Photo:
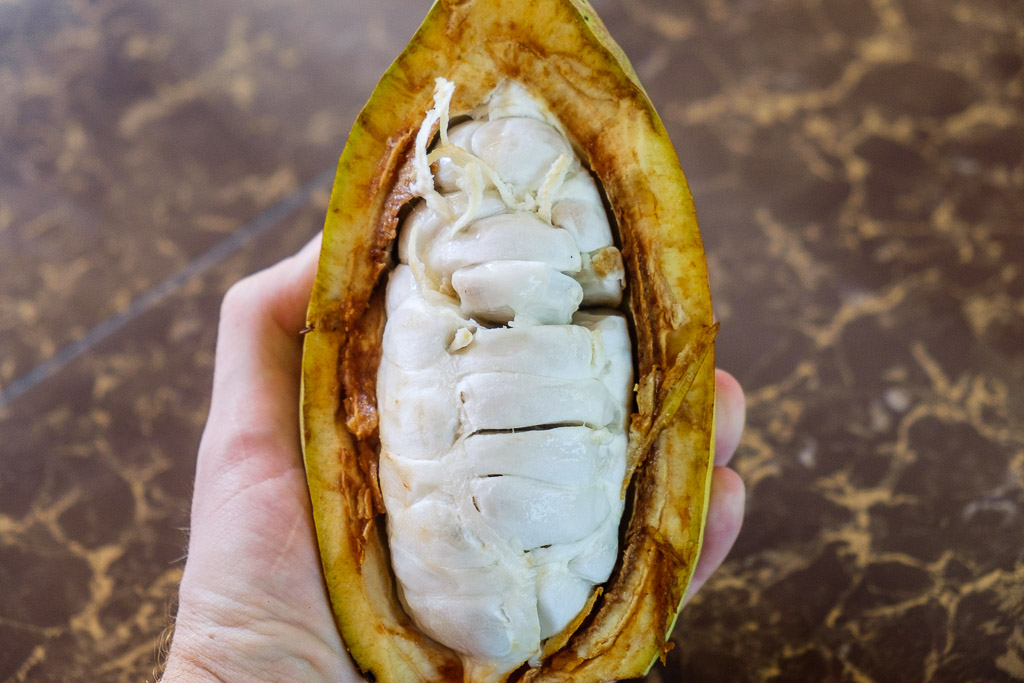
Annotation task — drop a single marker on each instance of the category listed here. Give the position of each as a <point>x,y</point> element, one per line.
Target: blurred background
<point>858,171</point>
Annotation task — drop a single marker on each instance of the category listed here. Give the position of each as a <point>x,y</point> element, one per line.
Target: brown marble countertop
<point>858,170</point>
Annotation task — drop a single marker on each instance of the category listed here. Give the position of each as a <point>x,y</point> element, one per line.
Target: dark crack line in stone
<point>164,289</point>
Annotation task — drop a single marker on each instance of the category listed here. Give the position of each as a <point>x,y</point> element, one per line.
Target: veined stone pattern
<point>858,171</point>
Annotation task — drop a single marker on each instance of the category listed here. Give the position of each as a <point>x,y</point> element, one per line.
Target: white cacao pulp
<point>502,406</point>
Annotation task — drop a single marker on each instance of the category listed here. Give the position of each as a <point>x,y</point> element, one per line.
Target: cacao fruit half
<point>562,53</point>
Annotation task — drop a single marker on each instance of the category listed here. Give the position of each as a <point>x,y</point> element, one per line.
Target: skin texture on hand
<point>252,601</point>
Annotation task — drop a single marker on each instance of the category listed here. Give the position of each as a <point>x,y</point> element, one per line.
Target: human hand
<point>252,602</point>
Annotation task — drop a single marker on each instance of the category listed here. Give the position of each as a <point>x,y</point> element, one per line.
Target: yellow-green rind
<point>563,54</point>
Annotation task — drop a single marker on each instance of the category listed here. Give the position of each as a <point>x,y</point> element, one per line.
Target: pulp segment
<point>503,405</point>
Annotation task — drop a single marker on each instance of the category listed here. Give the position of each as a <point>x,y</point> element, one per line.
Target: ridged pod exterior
<point>563,54</point>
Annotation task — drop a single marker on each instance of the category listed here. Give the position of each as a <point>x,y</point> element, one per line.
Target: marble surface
<point>858,171</point>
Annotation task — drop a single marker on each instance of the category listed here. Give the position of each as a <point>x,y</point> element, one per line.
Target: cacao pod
<point>562,53</point>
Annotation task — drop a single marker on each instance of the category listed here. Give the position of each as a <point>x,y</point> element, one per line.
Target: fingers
<point>725,517</point>
<point>255,402</point>
<point>730,415</point>
<point>258,337</point>
<point>292,282</point>
<point>726,503</point>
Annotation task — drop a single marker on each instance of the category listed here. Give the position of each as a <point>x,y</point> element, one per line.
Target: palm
<point>266,543</point>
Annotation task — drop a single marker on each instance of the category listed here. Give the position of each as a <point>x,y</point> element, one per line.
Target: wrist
<point>189,659</point>
<point>262,650</point>
<point>182,666</point>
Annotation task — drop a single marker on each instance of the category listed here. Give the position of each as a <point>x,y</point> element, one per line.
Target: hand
<point>252,602</point>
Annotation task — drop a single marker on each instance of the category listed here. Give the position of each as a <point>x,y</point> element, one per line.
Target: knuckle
<point>239,296</point>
